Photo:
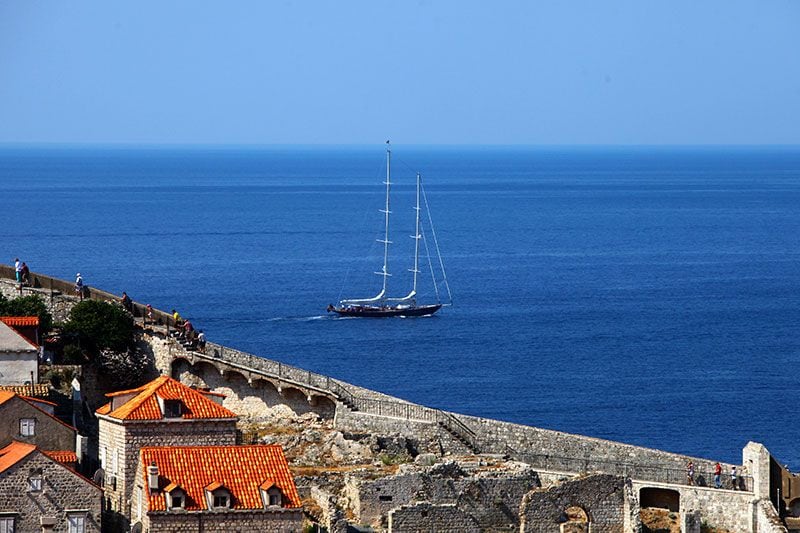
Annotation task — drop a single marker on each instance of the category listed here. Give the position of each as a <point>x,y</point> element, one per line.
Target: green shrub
<point>31,305</point>
<point>101,326</point>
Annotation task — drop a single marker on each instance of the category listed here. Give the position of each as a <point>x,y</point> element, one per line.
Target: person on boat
<point>330,308</point>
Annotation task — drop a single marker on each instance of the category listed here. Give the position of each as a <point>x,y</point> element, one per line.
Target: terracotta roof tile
<point>14,453</point>
<point>40,390</point>
<point>61,456</point>
<point>144,404</point>
<point>240,469</point>
<point>20,321</point>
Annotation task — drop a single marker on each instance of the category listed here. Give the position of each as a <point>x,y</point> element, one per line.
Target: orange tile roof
<point>39,389</point>
<point>61,456</point>
<point>14,453</point>
<point>240,469</point>
<point>20,320</point>
<point>144,404</point>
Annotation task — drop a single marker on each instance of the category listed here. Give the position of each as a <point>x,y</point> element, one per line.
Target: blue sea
<point>645,295</point>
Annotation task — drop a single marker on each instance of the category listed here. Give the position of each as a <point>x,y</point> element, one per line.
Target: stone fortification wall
<point>766,518</point>
<point>545,449</point>
<point>600,497</point>
<point>720,508</point>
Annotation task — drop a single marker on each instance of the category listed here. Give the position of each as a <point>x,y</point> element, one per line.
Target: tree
<point>101,326</point>
<point>105,332</point>
<point>31,305</point>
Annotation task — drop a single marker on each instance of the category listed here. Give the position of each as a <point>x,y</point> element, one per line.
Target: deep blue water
<point>646,295</point>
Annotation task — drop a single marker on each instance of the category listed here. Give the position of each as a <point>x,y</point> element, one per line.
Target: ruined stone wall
<point>490,498</point>
<point>425,516</point>
<point>601,497</point>
<point>62,490</point>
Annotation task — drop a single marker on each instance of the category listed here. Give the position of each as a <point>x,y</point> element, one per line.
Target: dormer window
<point>176,497</point>
<point>271,495</point>
<point>221,501</point>
<point>173,408</point>
<point>218,497</point>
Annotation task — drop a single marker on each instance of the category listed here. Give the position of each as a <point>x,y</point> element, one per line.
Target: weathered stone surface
<point>600,497</point>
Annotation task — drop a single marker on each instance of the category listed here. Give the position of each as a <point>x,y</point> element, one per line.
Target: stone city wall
<point>720,508</point>
<point>766,519</point>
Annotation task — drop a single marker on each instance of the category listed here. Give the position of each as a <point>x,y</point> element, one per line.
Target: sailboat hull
<point>384,312</point>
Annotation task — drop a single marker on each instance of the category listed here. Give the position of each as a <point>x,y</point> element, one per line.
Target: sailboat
<point>382,305</point>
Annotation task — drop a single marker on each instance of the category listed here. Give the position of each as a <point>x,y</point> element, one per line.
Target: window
<point>76,523</point>
<point>177,501</point>
<point>35,484</point>
<point>7,524</point>
<point>27,427</point>
<point>220,500</point>
<point>172,408</point>
<point>114,461</point>
<point>274,499</point>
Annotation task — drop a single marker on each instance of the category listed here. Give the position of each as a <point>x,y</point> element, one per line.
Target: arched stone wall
<point>258,399</point>
<point>662,498</point>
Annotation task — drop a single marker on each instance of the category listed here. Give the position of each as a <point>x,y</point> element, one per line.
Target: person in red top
<point>718,475</point>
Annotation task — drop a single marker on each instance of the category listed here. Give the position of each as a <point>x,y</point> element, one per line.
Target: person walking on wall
<point>718,475</point>
<point>733,478</point>
<point>18,269</point>
<point>25,274</point>
<point>690,473</point>
<point>79,285</point>
<point>127,303</point>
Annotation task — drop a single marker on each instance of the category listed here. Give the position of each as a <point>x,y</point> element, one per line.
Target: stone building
<point>215,489</point>
<point>19,357</point>
<point>38,493</point>
<point>31,420</point>
<point>163,412</point>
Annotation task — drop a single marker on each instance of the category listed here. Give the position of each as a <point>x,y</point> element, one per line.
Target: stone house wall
<point>602,498</point>
<point>128,437</point>
<point>63,490</point>
<point>49,433</point>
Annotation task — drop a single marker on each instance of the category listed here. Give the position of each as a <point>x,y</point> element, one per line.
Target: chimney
<point>152,476</point>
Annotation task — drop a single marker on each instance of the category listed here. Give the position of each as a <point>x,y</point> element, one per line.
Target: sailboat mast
<point>386,212</point>
<point>416,237</point>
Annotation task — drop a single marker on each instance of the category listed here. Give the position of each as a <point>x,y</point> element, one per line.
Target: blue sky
<point>427,72</point>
